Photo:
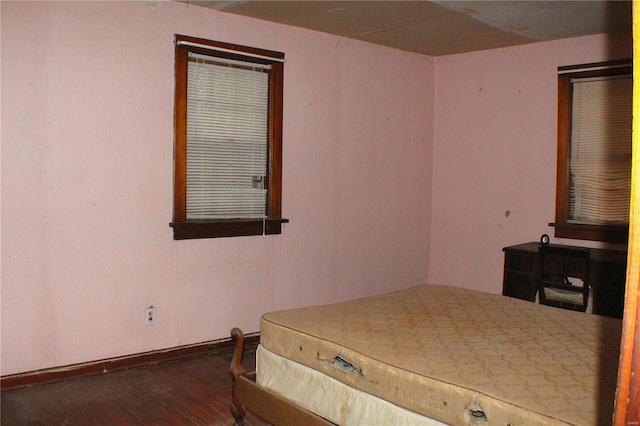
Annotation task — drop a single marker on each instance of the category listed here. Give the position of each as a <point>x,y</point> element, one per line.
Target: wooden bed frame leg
<point>237,410</point>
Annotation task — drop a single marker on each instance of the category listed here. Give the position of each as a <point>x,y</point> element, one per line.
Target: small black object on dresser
<point>607,276</point>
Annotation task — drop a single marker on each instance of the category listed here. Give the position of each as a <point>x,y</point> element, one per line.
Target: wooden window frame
<point>184,228</point>
<point>563,228</point>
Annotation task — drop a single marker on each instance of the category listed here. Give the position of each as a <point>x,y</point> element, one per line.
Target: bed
<point>430,355</point>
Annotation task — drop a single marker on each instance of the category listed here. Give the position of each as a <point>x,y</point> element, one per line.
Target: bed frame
<point>247,395</point>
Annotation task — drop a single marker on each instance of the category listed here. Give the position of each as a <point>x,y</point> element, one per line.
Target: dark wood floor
<point>193,391</point>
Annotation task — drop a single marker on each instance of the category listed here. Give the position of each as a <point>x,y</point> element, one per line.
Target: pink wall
<point>376,201</point>
<point>87,105</point>
<point>495,152</point>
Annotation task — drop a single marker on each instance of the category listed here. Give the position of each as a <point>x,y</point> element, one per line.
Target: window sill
<point>618,234</point>
<point>193,229</point>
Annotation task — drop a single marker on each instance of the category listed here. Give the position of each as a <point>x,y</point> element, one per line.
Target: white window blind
<point>227,121</point>
<point>600,158</point>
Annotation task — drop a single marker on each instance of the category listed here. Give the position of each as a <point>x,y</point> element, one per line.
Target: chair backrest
<point>558,264</point>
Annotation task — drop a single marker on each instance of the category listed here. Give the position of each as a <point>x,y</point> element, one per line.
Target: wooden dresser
<point>608,273</point>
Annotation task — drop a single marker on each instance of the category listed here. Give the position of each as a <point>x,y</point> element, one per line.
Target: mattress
<point>333,400</point>
<point>459,356</point>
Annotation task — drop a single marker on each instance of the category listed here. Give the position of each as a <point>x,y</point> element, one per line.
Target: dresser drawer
<point>519,285</point>
<point>520,262</point>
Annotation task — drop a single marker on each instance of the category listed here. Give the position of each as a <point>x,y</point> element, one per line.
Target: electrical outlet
<point>150,315</point>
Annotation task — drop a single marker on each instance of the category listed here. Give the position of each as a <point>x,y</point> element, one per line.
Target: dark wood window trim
<point>190,229</point>
<point>563,228</point>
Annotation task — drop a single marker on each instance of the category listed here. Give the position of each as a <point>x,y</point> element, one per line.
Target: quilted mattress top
<point>439,350</point>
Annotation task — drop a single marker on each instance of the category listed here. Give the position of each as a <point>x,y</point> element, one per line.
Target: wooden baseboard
<point>111,364</point>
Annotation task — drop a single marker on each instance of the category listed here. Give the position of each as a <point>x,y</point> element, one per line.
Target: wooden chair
<point>558,266</point>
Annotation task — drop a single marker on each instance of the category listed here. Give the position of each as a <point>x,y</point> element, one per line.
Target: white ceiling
<point>441,27</point>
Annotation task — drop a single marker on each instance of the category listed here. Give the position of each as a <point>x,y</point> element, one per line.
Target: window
<point>228,140</point>
<point>594,152</point>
